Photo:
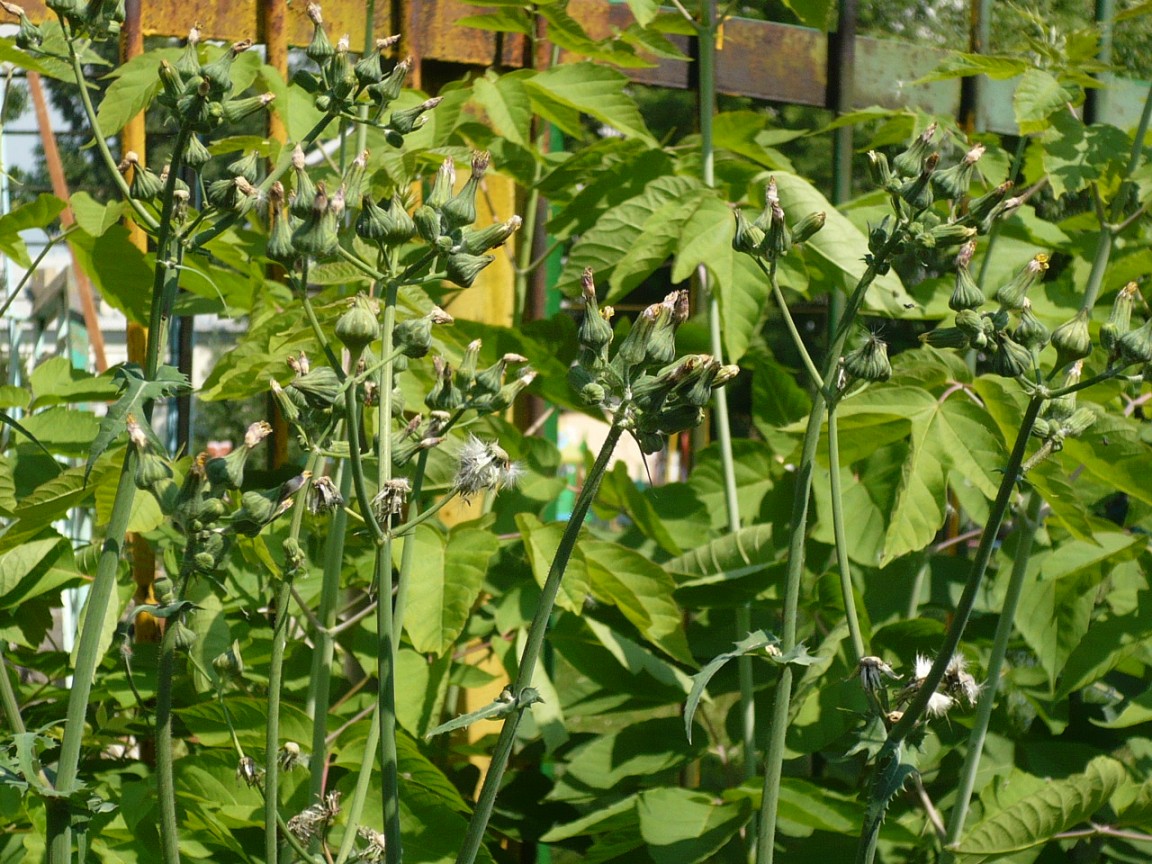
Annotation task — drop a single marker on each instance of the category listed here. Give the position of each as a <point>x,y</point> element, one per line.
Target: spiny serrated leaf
<point>136,391</point>
<point>1054,808</point>
<point>757,641</point>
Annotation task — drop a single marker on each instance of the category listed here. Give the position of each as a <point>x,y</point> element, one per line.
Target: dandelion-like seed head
<point>247,772</point>
<point>484,465</point>
<point>939,704</point>
<point>290,756</point>
<point>923,667</point>
<point>323,496</point>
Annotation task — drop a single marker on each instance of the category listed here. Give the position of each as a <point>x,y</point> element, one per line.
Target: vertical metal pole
<point>1096,100</point>
<point>841,90</point>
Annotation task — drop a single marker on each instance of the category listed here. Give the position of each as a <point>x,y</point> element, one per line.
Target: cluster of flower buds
<point>445,217</point>
<point>199,94</point>
<point>308,400</point>
<point>1013,351</point>
<point>374,80</point>
<point>1060,419</point>
<point>651,392</point>
<point>485,391</point>
<point>958,686</point>
<point>769,236</point>
<point>28,36</point>
<point>97,19</point>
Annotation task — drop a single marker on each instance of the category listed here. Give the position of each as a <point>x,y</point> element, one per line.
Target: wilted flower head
<point>247,772</point>
<point>256,433</point>
<point>959,683</point>
<point>374,851</point>
<point>323,496</point>
<point>290,756</point>
<point>390,500</point>
<point>312,822</point>
<point>873,671</point>
<point>484,465</point>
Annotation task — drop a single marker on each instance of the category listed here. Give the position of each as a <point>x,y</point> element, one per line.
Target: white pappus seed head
<point>484,465</point>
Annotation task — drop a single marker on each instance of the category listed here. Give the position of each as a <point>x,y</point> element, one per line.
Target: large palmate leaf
<point>593,90</point>
<point>135,86</point>
<point>540,544</point>
<point>506,104</point>
<point>951,443</point>
<point>1054,807</point>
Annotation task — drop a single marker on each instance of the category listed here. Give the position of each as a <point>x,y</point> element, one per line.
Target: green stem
<point>814,375</point>
<point>915,710</point>
<point>364,779</point>
<point>100,596</point>
<point>165,774</point>
<point>774,756</point>
<point>142,215</point>
<point>535,643</point>
<point>841,538</point>
<point>8,696</point>
<point>319,687</point>
<point>1025,538</point>
<point>408,554</point>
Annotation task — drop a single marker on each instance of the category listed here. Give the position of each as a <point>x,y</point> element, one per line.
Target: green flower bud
<point>183,637</point>
<point>1061,408</point>
<point>595,332</point>
<point>354,181</point>
<point>414,337</point>
<point>236,110</point>
<point>1011,295</point>
<point>151,468</point>
<point>305,195</point>
<point>188,66</point>
<point>591,393</point>
<point>677,418</point>
<point>490,381</point>
<point>358,328</point>
<point>294,558</point>
<point>231,194</point>
<point>966,294</point>
<point>72,9</point>
<point>229,665</point>
<point>1011,359</point>
<point>388,88</point>
<point>173,84</point>
<point>1120,320</point>
<point>945,236</point>
<point>507,395</point>
<point>28,37</point>
<point>411,119</point>
<point>218,73</point>
<point>634,348</point>
<point>954,182</point>
<point>460,210</point>
<point>580,378</point>
<point>210,547</point>
<point>339,73</point>
<point>695,389</point>
<point>918,191</point>
<point>1030,332</point>
<point>316,388</point>
<point>970,322</point>
<point>286,403</point>
<point>945,337</point>
<point>777,238</point>
<point>443,186</point>
<point>869,362</point>
<point>279,246</point>
<point>1041,428</point>
<point>649,442</point>
<point>319,50</point>
<point>444,395</point>
<point>316,236</point>
<point>1072,340</point>
<point>247,166</point>
<point>910,163</point>
<point>427,221</point>
<point>368,70</point>
<point>879,169</point>
<point>748,237</point>
<point>146,186</point>
<point>196,155</point>
<point>807,227</point>
<point>1135,346</point>
<point>462,269</point>
<point>397,226</point>
<point>476,242</point>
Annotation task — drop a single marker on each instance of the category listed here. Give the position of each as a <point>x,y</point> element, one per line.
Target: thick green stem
<point>536,632</point>
<point>319,690</point>
<point>774,756</point>
<point>100,596</point>
<point>1025,538</point>
<point>841,538</point>
<point>915,710</point>
<point>165,774</point>
<point>408,555</point>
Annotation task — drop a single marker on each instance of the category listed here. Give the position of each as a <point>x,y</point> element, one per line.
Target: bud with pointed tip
<point>807,227</point>
<point>410,119</point>
<point>966,294</point>
<point>460,210</point>
<point>748,237</point>
<point>1072,340</point>
<point>1011,359</point>
<point>316,236</point>
<point>1031,332</point>
<point>953,182</point>
<point>319,50</point>
<point>462,269</point>
<point>414,337</point>
<point>1120,319</point>
<point>869,362</point>
<point>247,166</point>
<point>1135,346</point>
<point>476,242</point>
<point>358,328</point>
<point>911,162</point>
<point>1012,294</point>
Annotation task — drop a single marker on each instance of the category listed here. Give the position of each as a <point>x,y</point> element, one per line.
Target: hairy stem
<point>539,627</point>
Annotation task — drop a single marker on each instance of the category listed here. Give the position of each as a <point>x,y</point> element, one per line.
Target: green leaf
<point>505,102</point>
<point>135,392</point>
<point>93,217</point>
<point>615,760</point>
<point>500,21</point>
<point>732,556</point>
<point>9,421</point>
<point>35,214</point>
<point>642,591</point>
<point>445,584</point>
<point>594,90</point>
<point>1037,97</point>
<point>249,716</point>
<point>644,10</point>
<point>998,67</point>
<point>57,381</point>
<point>45,563</point>
<point>683,826</point>
<point>839,243</point>
<point>1075,155</point>
<point>812,13</point>
<point>620,233</point>
<point>639,509</point>
<point>757,641</point>
<point>121,272</point>
<point>50,500</point>
<point>951,443</point>
<point>61,430</point>
<point>540,544</point>
<point>1057,806</point>
<point>136,85</point>
<point>502,706</point>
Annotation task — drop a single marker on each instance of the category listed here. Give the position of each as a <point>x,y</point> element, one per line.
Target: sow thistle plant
<point>931,215</point>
